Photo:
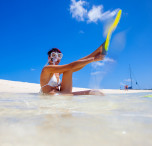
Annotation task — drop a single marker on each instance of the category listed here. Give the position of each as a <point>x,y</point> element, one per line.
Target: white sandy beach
<point>25,87</point>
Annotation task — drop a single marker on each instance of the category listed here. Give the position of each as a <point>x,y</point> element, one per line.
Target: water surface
<point>111,120</point>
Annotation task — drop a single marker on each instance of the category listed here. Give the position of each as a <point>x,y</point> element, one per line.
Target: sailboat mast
<point>130,75</point>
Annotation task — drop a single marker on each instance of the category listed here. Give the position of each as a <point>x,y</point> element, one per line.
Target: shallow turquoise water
<point>110,120</point>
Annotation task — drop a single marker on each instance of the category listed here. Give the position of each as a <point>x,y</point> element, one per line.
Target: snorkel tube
<point>54,60</point>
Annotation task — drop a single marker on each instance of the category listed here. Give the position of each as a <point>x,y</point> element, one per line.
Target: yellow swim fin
<point>112,28</point>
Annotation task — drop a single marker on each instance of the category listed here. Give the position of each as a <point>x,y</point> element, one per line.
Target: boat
<point>132,78</point>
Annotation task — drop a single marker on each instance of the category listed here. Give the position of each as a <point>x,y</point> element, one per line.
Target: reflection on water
<point>111,120</point>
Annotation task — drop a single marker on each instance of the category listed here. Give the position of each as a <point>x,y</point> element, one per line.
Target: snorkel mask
<point>56,56</point>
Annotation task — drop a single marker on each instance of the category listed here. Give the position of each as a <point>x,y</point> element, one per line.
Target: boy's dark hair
<point>53,50</point>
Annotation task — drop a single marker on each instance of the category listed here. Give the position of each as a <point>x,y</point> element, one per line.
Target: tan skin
<point>67,71</point>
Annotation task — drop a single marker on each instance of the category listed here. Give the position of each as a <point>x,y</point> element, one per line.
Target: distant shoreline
<point>25,87</point>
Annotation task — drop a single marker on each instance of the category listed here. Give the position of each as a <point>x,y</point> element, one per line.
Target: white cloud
<point>32,69</point>
<point>97,72</point>
<point>77,9</point>
<point>109,14</point>
<point>127,80</point>
<point>107,59</point>
<point>95,14</point>
<point>99,64</point>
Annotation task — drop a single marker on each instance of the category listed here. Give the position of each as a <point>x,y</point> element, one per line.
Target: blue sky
<point>29,28</point>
